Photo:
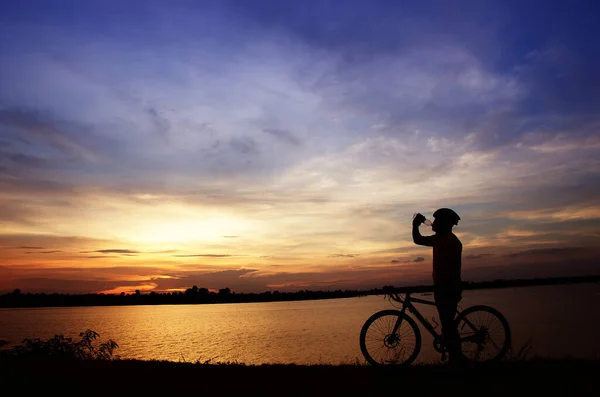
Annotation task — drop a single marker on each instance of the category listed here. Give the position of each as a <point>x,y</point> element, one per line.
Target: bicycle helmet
<point>447,215</point>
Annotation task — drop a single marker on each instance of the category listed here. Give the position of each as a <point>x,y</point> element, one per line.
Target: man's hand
<point>418,219</point>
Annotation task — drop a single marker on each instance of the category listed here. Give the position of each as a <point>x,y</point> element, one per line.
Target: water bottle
<point>426,222</point>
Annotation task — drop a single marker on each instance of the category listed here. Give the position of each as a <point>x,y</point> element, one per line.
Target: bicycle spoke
<point>483,334</point>
<point>380,326</point>
<point>381,345</point>
<point>493,343</point>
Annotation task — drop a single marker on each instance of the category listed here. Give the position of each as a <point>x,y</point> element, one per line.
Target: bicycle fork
<point>399,322</point>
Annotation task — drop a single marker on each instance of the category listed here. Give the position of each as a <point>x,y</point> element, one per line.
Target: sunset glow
<point>220,144</point>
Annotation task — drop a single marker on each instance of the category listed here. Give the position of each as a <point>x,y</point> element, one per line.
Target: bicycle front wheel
<point>484,334</point>
<point>390,337</point>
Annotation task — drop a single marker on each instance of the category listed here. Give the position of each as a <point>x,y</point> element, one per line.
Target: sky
<point>285,145</point>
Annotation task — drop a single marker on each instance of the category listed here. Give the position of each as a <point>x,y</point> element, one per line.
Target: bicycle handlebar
<point>394,296</point>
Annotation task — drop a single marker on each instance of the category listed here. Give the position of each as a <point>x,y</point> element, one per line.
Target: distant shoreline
<point>195,295</point>
<point>496,284</point>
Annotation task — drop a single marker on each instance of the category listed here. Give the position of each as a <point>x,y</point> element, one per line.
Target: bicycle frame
<point>476,341</point>
<point>407,304</point>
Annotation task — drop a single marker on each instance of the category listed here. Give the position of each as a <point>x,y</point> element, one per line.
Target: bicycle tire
<point>376,337</point>
<point>474,341</point>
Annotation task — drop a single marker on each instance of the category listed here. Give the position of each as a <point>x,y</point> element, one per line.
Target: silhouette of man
<point>447,262</point>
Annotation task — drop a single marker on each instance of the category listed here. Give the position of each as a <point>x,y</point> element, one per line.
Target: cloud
<point>343,256</point>
<point>473,257</point>
<point>41,241</point>
<point>43,129</point>
<point>530,263</point>
<point>19,187</point>
<point>203,255</point>
<point>544,251</point>
<point>21,160</point>
<point>416,260</point>
<point>530,269</point>
<point>287,125</point>
<point>244,145</point>
<point>116,251</point>
<point>162,124</point>
<point>283,135</point>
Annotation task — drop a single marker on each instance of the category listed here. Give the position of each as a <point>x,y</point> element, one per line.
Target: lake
<point>556,321</point>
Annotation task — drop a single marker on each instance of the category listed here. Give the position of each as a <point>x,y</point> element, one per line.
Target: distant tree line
<point>197,295</point>
<point>469,285</point>
<point>192,295</point>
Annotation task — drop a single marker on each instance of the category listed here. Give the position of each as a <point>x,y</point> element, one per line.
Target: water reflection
<point>558,320</point>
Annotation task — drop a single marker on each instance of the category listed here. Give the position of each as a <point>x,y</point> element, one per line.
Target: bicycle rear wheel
<point>380,345</point>
<point>484,334</point>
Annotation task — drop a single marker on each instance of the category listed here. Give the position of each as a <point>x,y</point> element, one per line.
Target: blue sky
<point>285,145</point>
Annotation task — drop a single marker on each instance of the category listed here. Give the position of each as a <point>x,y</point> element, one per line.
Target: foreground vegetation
<point>61,348</point>
<point>61,365</point>
<point>130,377</point>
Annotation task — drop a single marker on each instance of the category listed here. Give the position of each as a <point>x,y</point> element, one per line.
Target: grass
<point>96,373</point>
<point>126,377</point>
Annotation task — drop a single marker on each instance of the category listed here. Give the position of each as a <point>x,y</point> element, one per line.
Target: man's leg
<point>447,303</point>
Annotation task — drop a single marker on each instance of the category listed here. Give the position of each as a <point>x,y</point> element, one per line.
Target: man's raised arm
<point>416,234</point>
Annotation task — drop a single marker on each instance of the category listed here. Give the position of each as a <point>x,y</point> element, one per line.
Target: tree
<point>224,292</point>
<point>192,292</point>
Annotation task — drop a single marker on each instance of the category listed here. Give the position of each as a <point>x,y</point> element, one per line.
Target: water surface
<point>556,321</point>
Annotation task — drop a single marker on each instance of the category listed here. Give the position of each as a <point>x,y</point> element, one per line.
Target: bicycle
<point>393,337</point>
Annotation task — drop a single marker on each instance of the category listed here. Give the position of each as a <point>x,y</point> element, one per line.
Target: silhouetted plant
<point>523,354</point>
<point>64,348</point>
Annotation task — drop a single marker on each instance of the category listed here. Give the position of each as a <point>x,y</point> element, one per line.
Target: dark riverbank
<point>132,377</point>
<point>195,295</point>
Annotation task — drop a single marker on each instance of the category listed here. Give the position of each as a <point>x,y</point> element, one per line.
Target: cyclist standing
<point>447,262</point>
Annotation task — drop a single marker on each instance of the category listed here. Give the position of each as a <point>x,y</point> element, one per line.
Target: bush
<point>63,348</point>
